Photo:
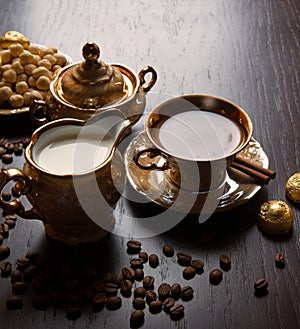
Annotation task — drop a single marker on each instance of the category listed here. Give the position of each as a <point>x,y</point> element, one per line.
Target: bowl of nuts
<point>26,71</point>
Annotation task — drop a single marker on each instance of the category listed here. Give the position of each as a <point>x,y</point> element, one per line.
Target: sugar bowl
<point>81,89</point>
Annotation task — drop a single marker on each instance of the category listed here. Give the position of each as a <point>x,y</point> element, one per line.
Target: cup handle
<point>38,104</point>
<point>15,206</point>
<point>148,69</point>
<point>150,160</point>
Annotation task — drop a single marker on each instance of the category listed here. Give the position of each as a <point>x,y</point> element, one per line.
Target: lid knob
<point>93,83</point>
<point>91,51</point>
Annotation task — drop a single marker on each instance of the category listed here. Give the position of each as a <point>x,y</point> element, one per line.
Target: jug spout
<point>110,124</point>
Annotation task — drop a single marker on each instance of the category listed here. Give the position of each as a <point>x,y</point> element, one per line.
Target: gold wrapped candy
<point>275,217</point>
<point>292,188</point>
<point>12,37</point>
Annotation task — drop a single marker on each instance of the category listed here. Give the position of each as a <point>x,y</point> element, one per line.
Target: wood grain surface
<point>245,51</point>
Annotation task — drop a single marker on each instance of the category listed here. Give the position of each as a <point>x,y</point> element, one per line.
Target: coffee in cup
<point>195,137</point>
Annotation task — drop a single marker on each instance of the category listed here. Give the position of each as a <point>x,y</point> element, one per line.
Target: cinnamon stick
<point>256,167</point>
<point>260,177</point>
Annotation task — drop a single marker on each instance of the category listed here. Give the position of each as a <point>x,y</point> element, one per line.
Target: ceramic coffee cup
<point>65,157</point>
<point>195,137</point>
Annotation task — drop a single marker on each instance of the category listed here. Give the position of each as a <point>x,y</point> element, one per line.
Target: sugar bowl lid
<point>92,83</point>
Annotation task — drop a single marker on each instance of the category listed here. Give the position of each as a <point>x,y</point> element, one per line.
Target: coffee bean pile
<point>57,282</point>
<point>166,297</point>
<point>60,282</point>
<point>7,149</point>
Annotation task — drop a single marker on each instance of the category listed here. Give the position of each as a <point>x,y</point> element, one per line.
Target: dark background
<point>245,51</point>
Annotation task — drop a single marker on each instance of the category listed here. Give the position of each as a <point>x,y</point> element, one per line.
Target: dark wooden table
<point>245,51</point>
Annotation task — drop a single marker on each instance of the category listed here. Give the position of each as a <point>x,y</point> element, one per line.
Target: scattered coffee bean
<point>189,272</point>
<point>55,298</point>
<point>261,287</point>
<point>168,250</point>
<point>4,230</point>
<point>168,303</point>
<point>2,151</point>
<point>118,279</point>
<point>6,196</point>
<point>88,295</point>
<point>175,290</point>
<point>25,142</point>
<point>153,260</point>
<point>48,275</point>
<point>215,276</point>
<point>73,311</point>
<point>176,312</point>
<point>155,306</point>
<point>40,283</point>
<point>19,288</point>
<point>164,291</point>
<point>40,302</point>
<point>111,289</point>
<point>72,298</point>
<point>9,148</point>
<point>18,148</point>
<point>65,272</point>
<point>140,292</point>
<point>22,263</point>
<point>184,259</point>
<point>137,263</point>
<point>72,285</point>
<point>187,293</point>
<point>89,273</point>
<point>41,261</point>
<point>144,256</point>
<point>151,296</point>
<point>113,303</point>
<point>98,301</point>
<point>30,272</point>
<point>198,264</point>
<point>10,223</point>
<point>137,319</point>
<point>7,158</point>
<point>14,302</point>
<point>128,273</point>
<point>133,246</point>
<point>16,276</point>
<point>148,282</point>
<point>225,262</point>
<point>125,288</point>
<point>139,274</point>
<point>3,141</point>
<point>6,269</point>
<point>1,239</point>
<point>11,217</point>
<point>138,303</point>
<point>280,260</point>
<point>108,278</point>
<point>97,286</point>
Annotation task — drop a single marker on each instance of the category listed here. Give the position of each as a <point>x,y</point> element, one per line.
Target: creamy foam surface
<point>62,152</point>
<point>199,135</point>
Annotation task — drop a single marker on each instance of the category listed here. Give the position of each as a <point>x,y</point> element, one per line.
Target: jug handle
<point>36,105</point>
<point>152,153</point>
<point>148,69</point>
<point>15,206</point>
